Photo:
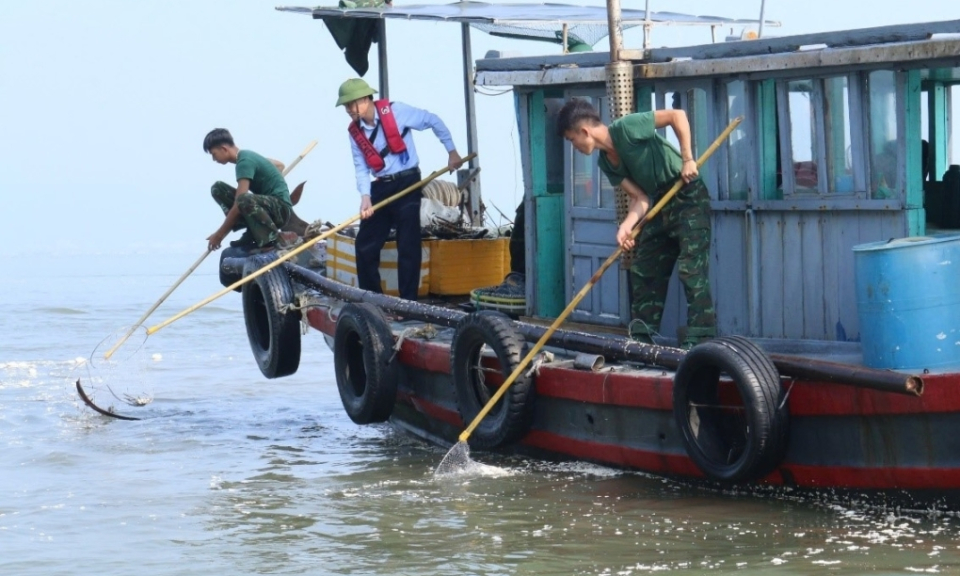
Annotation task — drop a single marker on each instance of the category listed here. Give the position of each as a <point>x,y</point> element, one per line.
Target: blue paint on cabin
<point>829,156</point>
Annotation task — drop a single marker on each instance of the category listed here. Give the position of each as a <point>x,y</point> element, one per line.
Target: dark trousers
<point>402,214</point>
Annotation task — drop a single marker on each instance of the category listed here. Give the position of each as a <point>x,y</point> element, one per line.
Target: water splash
<point>457,463</point>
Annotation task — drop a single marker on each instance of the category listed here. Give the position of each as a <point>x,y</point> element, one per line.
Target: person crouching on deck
<point>262,212</point>
<point>640,161</point>
<point>382,147</point>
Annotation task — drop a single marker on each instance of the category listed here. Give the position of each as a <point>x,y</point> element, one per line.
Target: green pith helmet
<point>354,89</point>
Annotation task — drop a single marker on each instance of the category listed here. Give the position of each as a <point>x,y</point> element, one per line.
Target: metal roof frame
<point>473,12</point>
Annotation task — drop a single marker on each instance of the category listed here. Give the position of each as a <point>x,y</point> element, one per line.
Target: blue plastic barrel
<point>908,302</point>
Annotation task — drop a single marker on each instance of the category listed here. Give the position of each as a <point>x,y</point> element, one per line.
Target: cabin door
<point>591,222</point>
<point>591,213</point>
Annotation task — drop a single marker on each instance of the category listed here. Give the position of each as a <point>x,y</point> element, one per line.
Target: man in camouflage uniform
<point>262,212</point>
<point>645,165</point>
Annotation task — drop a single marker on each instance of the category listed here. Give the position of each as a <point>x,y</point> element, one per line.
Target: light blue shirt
<point>406,117</point>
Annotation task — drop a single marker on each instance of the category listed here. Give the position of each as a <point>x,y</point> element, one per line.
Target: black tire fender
<point>273,332</point>
<point>229,272</point>
<point>731,443</point>
<point>510,419</point>
<point>366,375</point>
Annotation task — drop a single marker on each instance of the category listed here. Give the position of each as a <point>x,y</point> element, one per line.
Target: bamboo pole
<point>283,258</point>
<point>465,435</point>
<point>190,270</point>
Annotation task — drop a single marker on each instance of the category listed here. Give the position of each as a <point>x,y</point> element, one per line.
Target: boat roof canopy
<point>515,14</point>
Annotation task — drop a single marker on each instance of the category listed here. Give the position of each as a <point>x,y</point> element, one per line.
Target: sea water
<point>230,473</point>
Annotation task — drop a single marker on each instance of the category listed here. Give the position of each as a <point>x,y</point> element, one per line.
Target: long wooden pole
<point>465,435</point>
<point>189,271</point>
<point>309,243</point>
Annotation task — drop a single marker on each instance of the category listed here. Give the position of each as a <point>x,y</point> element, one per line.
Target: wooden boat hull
<point>847,440</point>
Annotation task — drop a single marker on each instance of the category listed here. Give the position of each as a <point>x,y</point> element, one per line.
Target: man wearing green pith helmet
<point>383,150</point>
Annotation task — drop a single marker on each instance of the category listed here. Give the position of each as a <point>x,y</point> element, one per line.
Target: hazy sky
<point>105,105</point>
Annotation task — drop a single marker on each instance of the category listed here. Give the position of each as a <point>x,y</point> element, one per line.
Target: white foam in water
<point>457,464</point>
<point>586,469</point>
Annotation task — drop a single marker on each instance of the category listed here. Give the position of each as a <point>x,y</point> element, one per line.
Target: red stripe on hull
<point>612,388</point>
<point>846,477</point>
<point>870,478</point>
<point>635,390</point>
<point>621,456</point>
<point>432,410</point>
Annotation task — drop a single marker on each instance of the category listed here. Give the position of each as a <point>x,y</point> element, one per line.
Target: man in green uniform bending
<point>640,161</point>
<point>262,212</point>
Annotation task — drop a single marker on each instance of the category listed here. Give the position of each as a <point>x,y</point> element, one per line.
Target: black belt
<point>399,175</point>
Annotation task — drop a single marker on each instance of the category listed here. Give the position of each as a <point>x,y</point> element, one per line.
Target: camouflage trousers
<point>262,216</point>
<point>679,234</point>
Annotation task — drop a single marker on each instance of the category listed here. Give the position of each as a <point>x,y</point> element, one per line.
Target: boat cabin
<point>847,138</point>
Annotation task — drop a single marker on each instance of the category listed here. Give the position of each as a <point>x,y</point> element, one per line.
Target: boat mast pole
<point>763,9</point>
<point>647,26</point>
<point>619,80</point>
<point>615,24</point>
<point>382,59</point>
<point>476,216</point>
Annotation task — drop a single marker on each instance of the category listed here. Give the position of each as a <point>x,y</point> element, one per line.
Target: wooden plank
<point>817,203</point>
<point>783,64</point>
<point>538,151</point>
<point>764,46</point>
<point>577,59</point>
<point>766,112</point>
<point>548,77</point>
<point>910,137</point>
<point>812,250</point>
<point>548,216</point>
<point>521,102</point>
<point>643,97</point>
<point>832,273</point>
<point>674,308</point>
<point>608,292</point>
<point>581,268</point>
<point>848,325</point>
<point>794,266</point>
<point>549,256</point>
<point>846,38</point>
<point>770,228</point>
<point>937,137</point>
<point>728,273</point>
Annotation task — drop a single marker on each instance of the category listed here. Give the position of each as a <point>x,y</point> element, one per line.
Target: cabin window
<point>584,177</point>
<point>738,147</point>
<point>553,145</point>
<point>881,87</point>
<point>693,101</point>
<point>591,189</point>
<point>801,159</point>
<point>839,153</point>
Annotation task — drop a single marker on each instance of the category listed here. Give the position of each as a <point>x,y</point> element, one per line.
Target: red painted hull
<point>841,437</point>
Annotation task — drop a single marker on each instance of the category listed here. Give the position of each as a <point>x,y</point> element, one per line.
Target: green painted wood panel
<point>913,186</point>
<point>550,266</point>
<point>549,260</point>
<point>767,138</point>
<point>937,105</point>
<point>643,98</point>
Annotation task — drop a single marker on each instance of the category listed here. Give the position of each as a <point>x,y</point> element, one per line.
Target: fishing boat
<point>834,261</point>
